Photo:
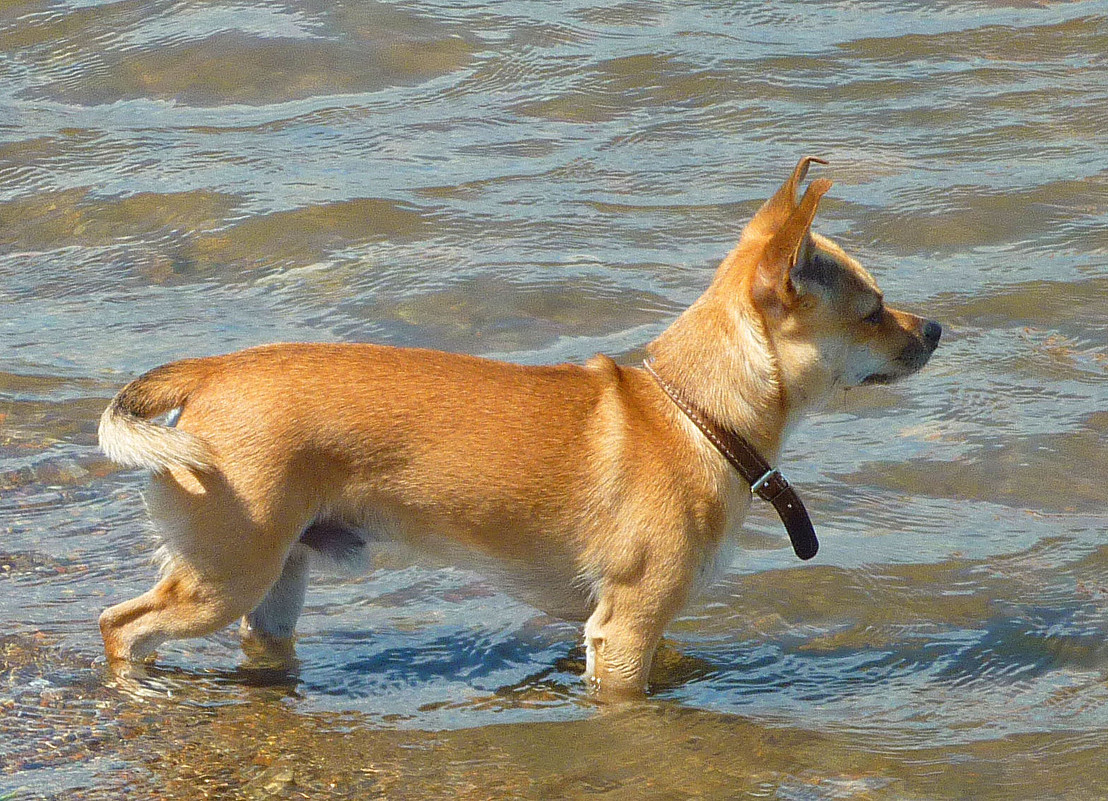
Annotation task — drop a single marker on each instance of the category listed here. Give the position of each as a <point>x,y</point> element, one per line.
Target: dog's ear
<point>787,222</point>
<point>782,249</point>
<point>775,211</point>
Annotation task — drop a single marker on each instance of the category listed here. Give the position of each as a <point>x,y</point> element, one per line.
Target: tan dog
<point>587,485</point>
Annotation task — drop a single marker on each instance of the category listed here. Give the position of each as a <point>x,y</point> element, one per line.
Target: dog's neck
<point>718,355</point>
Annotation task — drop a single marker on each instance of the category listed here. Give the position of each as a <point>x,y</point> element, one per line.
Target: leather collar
<point>765,481</point>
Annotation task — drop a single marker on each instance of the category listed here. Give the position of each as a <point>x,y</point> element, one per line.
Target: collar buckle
<point>761,482</point>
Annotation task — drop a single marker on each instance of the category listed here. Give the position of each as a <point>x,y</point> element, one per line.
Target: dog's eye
<point>875,317</point>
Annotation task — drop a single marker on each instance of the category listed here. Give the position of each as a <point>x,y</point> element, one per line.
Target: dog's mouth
<point>878,378</point>
<point>910,361</point>
<point>900,369</point>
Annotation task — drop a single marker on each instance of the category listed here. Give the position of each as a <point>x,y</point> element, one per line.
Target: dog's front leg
<point>621,636</point>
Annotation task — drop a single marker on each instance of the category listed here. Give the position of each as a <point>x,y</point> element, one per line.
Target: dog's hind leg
<point>181,605</point>
<point>268,631</point>
<point>220,566</point>
<point>271,626</point>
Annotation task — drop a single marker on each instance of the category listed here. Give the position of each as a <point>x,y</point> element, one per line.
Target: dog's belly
<point>548,584</point>
<point>558,594</point>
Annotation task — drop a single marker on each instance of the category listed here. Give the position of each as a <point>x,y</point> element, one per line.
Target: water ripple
<point>539,181</point>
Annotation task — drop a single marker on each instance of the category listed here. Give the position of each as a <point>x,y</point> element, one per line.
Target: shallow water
<point>540,181</point>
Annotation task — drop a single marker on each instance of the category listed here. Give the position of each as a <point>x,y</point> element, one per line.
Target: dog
<point>595,489</point>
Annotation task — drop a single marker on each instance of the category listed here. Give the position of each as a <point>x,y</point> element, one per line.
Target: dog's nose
<point>931,332</point>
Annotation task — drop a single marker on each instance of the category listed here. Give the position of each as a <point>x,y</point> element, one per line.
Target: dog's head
<point>825,315</point>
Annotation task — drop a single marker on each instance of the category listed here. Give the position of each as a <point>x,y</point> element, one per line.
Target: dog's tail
<point>126,434</point>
